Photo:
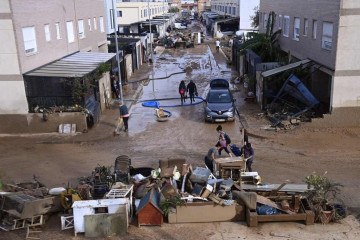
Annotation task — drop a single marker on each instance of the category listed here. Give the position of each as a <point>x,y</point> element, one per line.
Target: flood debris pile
<point>107,201</point>
<point>292,104</point>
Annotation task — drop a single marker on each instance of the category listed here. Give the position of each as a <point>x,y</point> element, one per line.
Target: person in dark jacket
<point>182,91</point>
<point>124,114</point>
<point>191,88</point>
<point>248,152</point>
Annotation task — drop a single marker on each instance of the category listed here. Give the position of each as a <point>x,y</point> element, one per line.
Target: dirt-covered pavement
<point>279,156</point>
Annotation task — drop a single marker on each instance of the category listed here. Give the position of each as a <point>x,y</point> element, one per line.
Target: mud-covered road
<point>285,156</point>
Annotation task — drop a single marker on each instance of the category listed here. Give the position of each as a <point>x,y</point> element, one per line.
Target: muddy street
<point>285,156</point>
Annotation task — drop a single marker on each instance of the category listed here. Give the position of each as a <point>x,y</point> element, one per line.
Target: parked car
<point>219,103</point>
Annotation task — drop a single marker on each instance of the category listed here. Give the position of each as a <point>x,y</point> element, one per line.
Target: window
<point>314,29</point>
<point>306,26</point>
<point>95,26</point>
<point>141,13</point>
<point>296,28</point>
<point>89,24</point>
<point>101,24</point>
<point>70,31</point>
<point>47,32</point>
<point>58,32</point>
<point>119,13</point>
<point>111,19</point>
<point>286,27</point>
<point>81,29</point>
<point>326,41</point>
<point>29,40</point>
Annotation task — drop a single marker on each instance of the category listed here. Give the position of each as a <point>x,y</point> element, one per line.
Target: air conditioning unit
<point>30,50</point>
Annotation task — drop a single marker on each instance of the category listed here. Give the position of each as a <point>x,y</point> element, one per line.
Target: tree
<point>255,18</point>
<point>265,44</point>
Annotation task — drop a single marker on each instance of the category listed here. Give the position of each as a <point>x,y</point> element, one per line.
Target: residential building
<point>242,9</point>
<point>131,14</point>
<point>204,5</point>
<point>325,32</point>
<point>34,34</point>
<point>175,3</point>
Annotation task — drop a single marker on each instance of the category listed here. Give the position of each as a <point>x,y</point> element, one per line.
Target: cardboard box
<point>206,212</point>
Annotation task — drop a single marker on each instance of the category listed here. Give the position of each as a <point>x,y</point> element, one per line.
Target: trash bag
<point>235,150</point>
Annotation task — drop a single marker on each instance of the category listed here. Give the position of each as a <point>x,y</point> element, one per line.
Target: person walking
<point>191,88</point>
<point>248,153</point>
<point>224,140</point>
<point>124,114</point>
<point>210,157</point>
<point>182,91</point>
<point>217,43</point>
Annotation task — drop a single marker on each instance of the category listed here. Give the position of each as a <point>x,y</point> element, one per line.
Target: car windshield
<point>219,97</point>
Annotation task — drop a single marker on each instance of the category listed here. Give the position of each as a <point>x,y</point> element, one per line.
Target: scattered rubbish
<point>105,202</point>
<point>292,104</point>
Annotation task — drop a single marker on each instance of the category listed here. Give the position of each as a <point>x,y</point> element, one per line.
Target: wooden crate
<point>229,167</point>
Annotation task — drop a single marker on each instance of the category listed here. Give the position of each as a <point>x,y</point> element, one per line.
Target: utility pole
<point>164,17</point>
<point>117,49</point>
<point>151,49</point>
<point>149,14</point>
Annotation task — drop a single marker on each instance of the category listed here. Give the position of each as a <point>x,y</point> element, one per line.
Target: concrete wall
<point>33,122</point>
<point>105,90</point>
<point>346,85</point>
<point>306,46</point>
<point>12,89</point>
<point>128,66</point>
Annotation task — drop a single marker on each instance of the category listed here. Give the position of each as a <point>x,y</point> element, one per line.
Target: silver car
<point>219,105</point>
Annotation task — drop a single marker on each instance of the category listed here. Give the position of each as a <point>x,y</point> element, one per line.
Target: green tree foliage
<point>265,44</point>
<point>255,18</point>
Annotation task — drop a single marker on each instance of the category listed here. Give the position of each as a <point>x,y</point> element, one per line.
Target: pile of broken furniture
<point>105,203</point>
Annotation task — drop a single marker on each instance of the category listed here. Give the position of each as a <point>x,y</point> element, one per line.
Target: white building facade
<point>326,32</point>
<point>35,33</point>
<point>236,8</point>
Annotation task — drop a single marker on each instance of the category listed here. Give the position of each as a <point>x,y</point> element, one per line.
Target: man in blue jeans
<point>248,152</point>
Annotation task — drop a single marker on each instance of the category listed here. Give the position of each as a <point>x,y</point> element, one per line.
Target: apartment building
<point>34,33</point>
<point>242,9</point>
<point>327,33</point>
<point>130,14</point>
<point>203,5</point>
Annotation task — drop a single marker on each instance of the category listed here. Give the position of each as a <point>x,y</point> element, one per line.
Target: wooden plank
<point>251,218</point>
<point>282,217</point>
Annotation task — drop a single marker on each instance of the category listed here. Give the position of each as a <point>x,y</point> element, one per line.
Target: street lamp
<point>117,49</point>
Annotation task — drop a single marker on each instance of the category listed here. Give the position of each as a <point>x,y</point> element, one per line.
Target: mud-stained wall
<point>34,123</point>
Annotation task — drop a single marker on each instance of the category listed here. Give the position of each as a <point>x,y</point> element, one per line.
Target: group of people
<point>222,144</point>
<point>190,88</point>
